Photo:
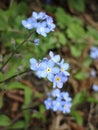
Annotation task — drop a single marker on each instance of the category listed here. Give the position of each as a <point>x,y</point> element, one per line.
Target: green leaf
<point>87,61</point>
<point>75,51</point>
<point>61,38</point>
<point>4,120</point>
<point>62,20</point>
<point>79,5</point>
<point>1,100</point>
<point>18,125</point>
<point>92,99</point>
<point>79,98</point>
<point>77,117</point>
<point>27,101</point>
<point>1,76</point>
<point>42,108</point>
<point>76,31</point>
<point>28,96</point>
<point>15,85</point>
<point>81,75</point>
<point>93,33</point>
<point>40,113</point>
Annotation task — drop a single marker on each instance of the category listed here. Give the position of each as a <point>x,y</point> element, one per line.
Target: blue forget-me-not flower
<point>41,22</point>
<point>55,58</point>
<point>55,70</point>
<point>58,101</point>
<point>94,53</point>
<point>52,69</point>
<point>95,87</point>
<point>59,79</point>
<point>36,41</point>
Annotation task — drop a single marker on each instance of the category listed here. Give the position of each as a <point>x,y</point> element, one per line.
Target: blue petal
<point>33,61</point>
<point>27,24</point>
<point>55,70</point>
<point>50,77</point>
<point>59,84</point>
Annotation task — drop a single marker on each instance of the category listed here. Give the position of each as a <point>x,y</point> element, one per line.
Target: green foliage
<point>76,31</point>
<point>27,99</point>
<point>93,33</point>
<point>62,20</point>
<point>92,100</point>
<point>76,49</point>
<point>79,98</point>
<point>4,120</point>
<point>10,23</point>
<point>81,75</point>
<point>77,117</point>
<point>40,114</point>
<point>1,102</point>
<point>18,125</point>
<point>61,39</point>
<point>78,5</point>
<point>87,62</point>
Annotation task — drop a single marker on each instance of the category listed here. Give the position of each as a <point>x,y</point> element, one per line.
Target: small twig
<point>11,2</point>
<point>90,116</point>
<point>15,97</point>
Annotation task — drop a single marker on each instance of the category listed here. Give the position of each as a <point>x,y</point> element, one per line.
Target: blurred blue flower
<point>58,101</point>
<point>56,93</point>
<point>42,29</point>
<point>48,103</point>
<point>50,23</point>
<point>93,72</point>
<point>52,69</point>
<point>64,67</point>
<point>94,53</point>
<point>48,70</point>
<point>41,22</point>
<point>66,107</point>
<point>29,23</point>
<point>39,16</point>
<point>35,65</point>
<point>95,87</point>
<point>59,79</point>
<point>65,96</point>
<point>36,41</point>
<point>55,58</point>
<point>57,104</point>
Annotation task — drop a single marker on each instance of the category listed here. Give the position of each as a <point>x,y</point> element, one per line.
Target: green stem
<point>6,80</point>
<point>15,51</point>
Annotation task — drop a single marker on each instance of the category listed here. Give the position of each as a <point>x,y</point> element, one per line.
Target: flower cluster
<point>41,22</point>
<point>54,69</point>
<point>94,53</point>
<point>58,101</point>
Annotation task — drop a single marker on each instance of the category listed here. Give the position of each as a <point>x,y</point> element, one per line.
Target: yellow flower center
<point>57,78</point>
<point>62,69</point>
<point>48,70</point>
